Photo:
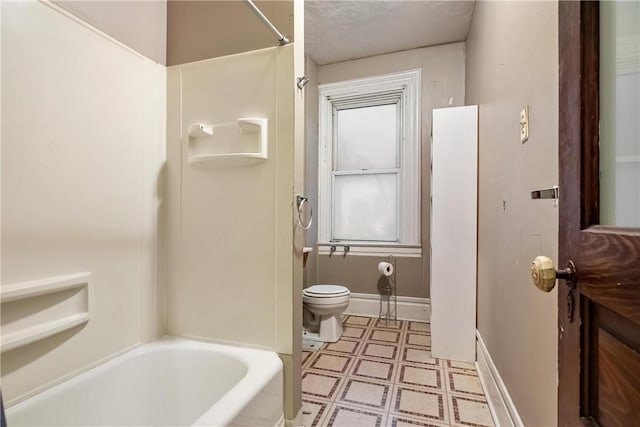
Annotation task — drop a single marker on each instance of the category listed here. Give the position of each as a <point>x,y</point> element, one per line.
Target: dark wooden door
<point>599,343</point>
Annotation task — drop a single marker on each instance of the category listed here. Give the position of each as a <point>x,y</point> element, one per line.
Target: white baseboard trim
<point>503,410</point>
<point>409,308</point>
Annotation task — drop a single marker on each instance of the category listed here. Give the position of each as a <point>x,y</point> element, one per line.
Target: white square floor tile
<point>431,405</point>
<point>313,411</point>
<point>468,411</point>
<point>345,416</point>
<point>415,339</point>
<point>385,335</point>
<point>356,332</point>
<point>375,369</point>
<point>419,327</point>
<point>343,345</point>
<point>419,356</point>
<point>389,324</point>
<point>324,386</point>
<point>329,362</point>
<point>421,377</point>
<point>464,382</point>
<point>358,320</point>
<point>365,393</point>
<point>404,421</point>
<point>461,366</point>
<point>380,350</point>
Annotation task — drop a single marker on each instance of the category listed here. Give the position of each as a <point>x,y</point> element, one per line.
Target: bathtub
<point>169,382</point>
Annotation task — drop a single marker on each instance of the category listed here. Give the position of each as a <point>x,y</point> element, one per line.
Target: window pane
<point>365,207</point>
<point>367,138</point>
<point>619,112</point>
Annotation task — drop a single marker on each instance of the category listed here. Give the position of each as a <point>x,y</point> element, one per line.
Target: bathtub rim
<point>262,367</point>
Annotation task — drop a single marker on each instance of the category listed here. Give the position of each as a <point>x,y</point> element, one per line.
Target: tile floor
<point>383,375</point>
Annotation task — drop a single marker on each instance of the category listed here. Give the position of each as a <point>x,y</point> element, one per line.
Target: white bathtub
<point>169,382</point>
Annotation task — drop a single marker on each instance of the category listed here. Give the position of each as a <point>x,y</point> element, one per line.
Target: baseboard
<point>409,308</point>
<point>502,408</point>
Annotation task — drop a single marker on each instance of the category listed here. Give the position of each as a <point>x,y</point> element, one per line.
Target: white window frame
<point>406,87</point>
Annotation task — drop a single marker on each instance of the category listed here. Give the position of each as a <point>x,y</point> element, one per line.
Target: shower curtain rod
<point>282,40</point>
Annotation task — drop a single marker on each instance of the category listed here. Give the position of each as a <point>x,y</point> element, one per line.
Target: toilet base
<point>330,329</point>
<point>310,336</point>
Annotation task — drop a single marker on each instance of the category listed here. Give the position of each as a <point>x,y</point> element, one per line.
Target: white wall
<point>512,61</point>
<point>231,229</point>
<point>443,84</point>
<point>82,143</point>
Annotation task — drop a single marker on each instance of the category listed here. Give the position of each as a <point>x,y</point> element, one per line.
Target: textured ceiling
<point>341,30</point>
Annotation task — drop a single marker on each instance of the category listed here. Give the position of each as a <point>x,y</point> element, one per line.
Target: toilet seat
<point>325,291</point>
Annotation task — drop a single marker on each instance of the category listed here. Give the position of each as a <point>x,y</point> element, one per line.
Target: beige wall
<point>82,145</point>
<point>293,373</point>
<point>360,274</point>
<point>311,166</point>
<point>176,32</point>
<point>199,30</point>
<point>141,25</point>
<point>512,61</point>
<point>443,77</point>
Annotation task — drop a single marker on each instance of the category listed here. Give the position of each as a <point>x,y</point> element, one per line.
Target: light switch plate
<point>524,124</point>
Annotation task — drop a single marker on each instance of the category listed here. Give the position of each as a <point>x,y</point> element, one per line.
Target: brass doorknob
<point>544,274</point>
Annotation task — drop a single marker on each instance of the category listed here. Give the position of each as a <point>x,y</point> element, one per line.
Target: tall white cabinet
<point>454,212</point>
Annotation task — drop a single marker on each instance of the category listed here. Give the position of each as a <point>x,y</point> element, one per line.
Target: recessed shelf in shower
<point>38,309</point>
<point>239,143</point>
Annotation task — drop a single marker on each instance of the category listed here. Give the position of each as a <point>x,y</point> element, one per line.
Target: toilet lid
<point>325,290</point>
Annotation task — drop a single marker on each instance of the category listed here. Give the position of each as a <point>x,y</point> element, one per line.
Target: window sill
<point>370,249</point>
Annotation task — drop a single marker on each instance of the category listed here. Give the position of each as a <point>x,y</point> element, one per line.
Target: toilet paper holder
<point>388,301</point>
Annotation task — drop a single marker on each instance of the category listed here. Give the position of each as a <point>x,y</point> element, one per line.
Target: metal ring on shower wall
<point>300,202</point>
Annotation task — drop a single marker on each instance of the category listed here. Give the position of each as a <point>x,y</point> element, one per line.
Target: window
<point>369,171</point>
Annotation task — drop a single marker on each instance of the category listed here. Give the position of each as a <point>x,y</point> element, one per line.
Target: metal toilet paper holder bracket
<point>388,301</point>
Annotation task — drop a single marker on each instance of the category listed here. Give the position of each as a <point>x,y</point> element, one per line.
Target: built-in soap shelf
<point>239,143</point>
<point>34,310</point>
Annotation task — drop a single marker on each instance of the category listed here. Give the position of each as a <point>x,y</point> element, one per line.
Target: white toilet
<point>324,305</point>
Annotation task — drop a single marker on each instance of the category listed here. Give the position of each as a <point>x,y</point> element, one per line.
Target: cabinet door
<point>454,207</point>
